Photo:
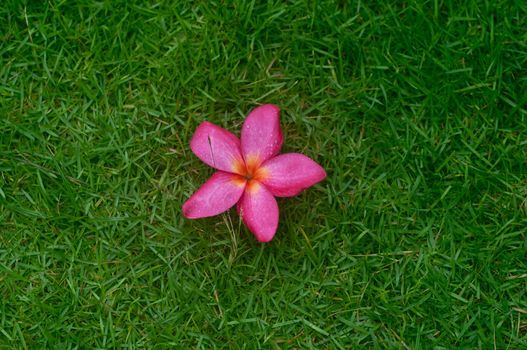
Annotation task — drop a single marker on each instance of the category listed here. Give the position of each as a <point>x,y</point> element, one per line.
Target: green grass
<point>416,240</point>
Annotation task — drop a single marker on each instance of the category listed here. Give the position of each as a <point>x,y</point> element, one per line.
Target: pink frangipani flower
<point>250,173</point>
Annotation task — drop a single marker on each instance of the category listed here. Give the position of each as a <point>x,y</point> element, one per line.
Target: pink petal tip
<point>216,147</point>
<point>261,135</point>
<point>290,173</point>
<point>218,194</point>
<point>259,211</point>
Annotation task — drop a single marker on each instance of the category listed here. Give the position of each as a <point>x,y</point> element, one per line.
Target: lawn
<point>415,240</point>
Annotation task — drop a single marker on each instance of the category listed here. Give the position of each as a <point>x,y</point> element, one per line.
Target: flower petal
<point>259,211</point>
<point>216,147</point>
<point>261,136</point>
<point>219,193</point>
<point>289,174</point>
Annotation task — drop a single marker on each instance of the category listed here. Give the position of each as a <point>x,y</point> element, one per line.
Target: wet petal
<point>221,191</point>
<point>261,136</point>
<point>259,211</point>
<point>216,147</point>
<point>289,174</point>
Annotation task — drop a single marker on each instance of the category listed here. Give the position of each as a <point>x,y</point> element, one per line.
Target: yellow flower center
<point>250,169</point>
